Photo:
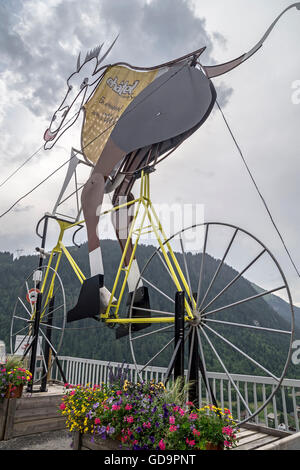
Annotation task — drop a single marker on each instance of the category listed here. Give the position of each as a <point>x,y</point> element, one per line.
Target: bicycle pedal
<point>88,304</point>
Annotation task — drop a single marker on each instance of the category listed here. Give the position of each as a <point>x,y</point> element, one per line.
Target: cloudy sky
<point>40,41</point>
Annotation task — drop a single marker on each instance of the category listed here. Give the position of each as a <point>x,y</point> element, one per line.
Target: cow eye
<point>84,83</point>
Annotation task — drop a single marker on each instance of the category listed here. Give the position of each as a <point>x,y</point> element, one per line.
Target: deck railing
<point>283,410</point>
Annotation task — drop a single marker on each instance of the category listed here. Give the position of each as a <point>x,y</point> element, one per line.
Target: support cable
<point>258,190</point>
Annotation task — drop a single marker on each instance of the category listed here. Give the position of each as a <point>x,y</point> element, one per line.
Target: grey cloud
<point>149,33</point>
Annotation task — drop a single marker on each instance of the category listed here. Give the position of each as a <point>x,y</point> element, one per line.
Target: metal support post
<point>47,350</point>
<point>34,345</point>
<point>194,372</point>
<point>179,335</point>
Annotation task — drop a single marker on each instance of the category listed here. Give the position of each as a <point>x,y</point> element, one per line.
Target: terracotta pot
<point>211,446</point>
<point>14,391</point>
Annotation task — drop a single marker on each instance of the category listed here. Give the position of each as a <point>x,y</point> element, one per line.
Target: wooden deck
<point>253,437</point>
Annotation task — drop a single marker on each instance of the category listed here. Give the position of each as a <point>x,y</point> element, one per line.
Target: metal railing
<point>283,411</point>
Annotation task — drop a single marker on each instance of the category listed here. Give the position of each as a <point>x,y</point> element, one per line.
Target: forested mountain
<point>91,339</point>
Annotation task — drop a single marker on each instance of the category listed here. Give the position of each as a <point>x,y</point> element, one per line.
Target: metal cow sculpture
<point>132,116</point>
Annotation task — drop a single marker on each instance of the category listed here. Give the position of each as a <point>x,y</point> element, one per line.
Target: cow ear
<point>78,63</point>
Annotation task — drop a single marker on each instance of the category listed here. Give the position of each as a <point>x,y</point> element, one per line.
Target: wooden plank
<point>38,402</point>
<point>265,430</point>
<point>36,413</point>
<point>251,438</point>
<point>3,417</point>
<point>37,426</point>
<point>77,441</point>
<point>245,433</point>
<point>254,445</point>
<point>8,433</point>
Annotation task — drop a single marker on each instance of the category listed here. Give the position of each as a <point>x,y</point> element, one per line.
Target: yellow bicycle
<point>204,313</point>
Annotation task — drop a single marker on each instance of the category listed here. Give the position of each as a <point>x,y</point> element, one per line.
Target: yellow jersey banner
<point>118,87</point>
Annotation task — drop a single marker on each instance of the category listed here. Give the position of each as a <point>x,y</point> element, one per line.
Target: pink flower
<point>196,433</point>
<point>227,430</point>
<point>190,443</point>
<point>115,407</point>
<point>161,445</point>
<point>227,444</point>
<point>97,421</point>
<point>172,420</point>
<point>128,407</point>
<point>147,425</point>
<point>193,416</point>
<point>129,419</point>
<point>172,428</point>
<point>119,392</point>
<point>62,406</point>
<point>181,411</point>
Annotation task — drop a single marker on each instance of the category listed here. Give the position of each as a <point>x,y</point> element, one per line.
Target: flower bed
<point>141,417</point>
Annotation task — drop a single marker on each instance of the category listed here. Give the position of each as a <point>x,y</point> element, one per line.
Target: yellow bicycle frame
<point>149,223</point>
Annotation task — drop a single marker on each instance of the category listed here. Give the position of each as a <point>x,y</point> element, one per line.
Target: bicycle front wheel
<point>230,281</point>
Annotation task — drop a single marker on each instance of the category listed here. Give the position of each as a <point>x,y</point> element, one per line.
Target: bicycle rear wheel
<point>46,282</point>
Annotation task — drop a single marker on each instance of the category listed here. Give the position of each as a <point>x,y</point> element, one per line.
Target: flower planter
<point>14,391</point>
<point>211,446</point>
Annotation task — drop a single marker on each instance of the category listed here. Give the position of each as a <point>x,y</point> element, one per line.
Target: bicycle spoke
<point>157,289</point>
<point>20,300</point>
<point>166,267</point>
<point>168,372</point>
<point>202,267</point>
<point>190,356</point>
<point>51,346</point>
<point>43,356</point>
<point>52,311</point>
<point>28,348</point>
<point>204,366</point>
<point>155,311</point>
<point>19,331</point>
<point>219,268</point>
<point>23,319</point>
<point>252,327</point>
<point>226,372</point>
<point>157,354</point>
<point>153,332</point>
<point>46,325</point>
<point>236,278</point>
<point>248,299</point>
<point>243,353</point>
<point>31,303</point>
